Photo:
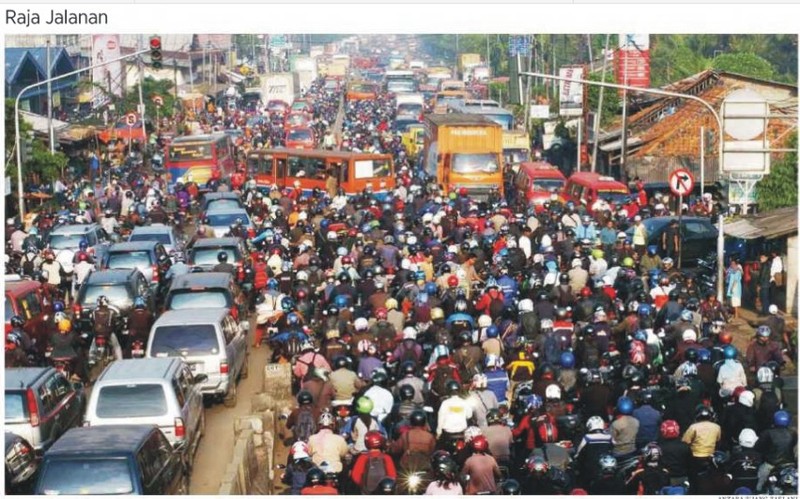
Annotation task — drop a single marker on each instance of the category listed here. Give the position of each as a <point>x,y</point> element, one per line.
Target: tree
<point>611,104</point>
<point>744,63</point>
<point>779,188</point>
<point>150,89</point>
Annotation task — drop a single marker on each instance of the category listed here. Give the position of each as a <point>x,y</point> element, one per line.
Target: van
<point>31,301</point>
<point>210,342</point>
<point>536,182</point>
<point>198,290</point>
<point>159,392</point>
<point>587,188</point>
<point>113,460</point>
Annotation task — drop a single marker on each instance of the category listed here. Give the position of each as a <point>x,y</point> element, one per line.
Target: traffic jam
<point>461,317</point>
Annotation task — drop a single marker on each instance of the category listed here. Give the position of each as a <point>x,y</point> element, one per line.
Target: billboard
<point>633,60</point>
<point>570,102</point>
<point>108,77</point>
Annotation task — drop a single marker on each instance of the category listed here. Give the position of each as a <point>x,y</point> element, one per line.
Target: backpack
<point>375,471</point>
<point>27,264</point>
<point>551,349</point>
<point>306,426</point>
<point>422,312</point>
<point>408,351</point>
<point>414,459</point>
<point>294,345</point>
<point>442,375</point>
<point>496,306</point>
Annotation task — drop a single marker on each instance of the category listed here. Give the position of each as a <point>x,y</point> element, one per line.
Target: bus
<point>488,108</point>
<point>362,90</point>
<point>400,81</point>
<point>354,172</point>
<point>200,156</point>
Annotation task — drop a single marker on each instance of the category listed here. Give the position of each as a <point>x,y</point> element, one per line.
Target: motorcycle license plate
<point>138,351</point>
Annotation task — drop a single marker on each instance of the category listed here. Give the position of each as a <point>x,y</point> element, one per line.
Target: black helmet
<point>386,487</point>
<point>674,294</point>
<point>703,413</point>
<point>222,257</point>
<point>408,368</point>
<point>418,417</point>
<point>445,467</point>
<point>406,392</point>
<point>304,398</point>
<point>380,378</point>
<point>563,278</point>
<point>493,416</point>
<point>690,355</point>
<point>340,362</point>
<point>17,321</point>
<point>314,476</point>
<point>452,387</point>
<point>511,487</point>
<point>344,277</point>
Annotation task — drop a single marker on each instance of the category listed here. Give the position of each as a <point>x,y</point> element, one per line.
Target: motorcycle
<point>60,364</point>
<point>342,410</point>
<point>137,349</point>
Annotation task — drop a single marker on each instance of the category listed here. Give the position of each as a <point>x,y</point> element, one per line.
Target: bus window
<point>339,170</point>
<point>281,167</point>
<point>253,164</point>
<point>265,165</point>
<point>306,167</point>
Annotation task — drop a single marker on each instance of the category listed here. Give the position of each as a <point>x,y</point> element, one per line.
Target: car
<point>21,465</point>
<point>120,286</point>
<point>64,240</point>
<point>296,120</point>
<point>206,290</point>
<point>164,234</point>
<point>31,301</point>
<point>149,257</point>
<point>302,106</point>
<point>698,233</point>
<point>277,106</point>
<point>220,220</point>
<point>41,404</point>
<point>203,253</point>
<point>300,137</point>
<point>210,341</point>
<point>589,187</point>
<point>151,391</point>
<point>221,200</point>
<point>113,460</point>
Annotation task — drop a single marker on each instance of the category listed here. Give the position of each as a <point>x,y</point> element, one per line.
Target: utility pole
<point>599,115</point>
<point>50,134</point>
<point>140,67</point>
<point>623,152</point>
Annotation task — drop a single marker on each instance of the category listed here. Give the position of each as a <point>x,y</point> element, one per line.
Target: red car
<point>296,120</point>
<point>301,138</point>
<point>278,106</point>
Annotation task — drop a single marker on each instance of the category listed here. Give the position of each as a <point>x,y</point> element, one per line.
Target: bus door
<point>309,171</point>
<point>338,169</point>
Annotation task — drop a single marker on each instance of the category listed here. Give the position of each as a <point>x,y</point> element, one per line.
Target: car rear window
<point>152,236</point>
<point>102,476</point>
<point>174,341</point>
<point>14,407</point>
<point>129,260</point>
<point>226,219</point>
<point>208,256</point>
<point>116,293</point>
<point>222,204</point>
<point>198,299</point>
<point>131,401</point>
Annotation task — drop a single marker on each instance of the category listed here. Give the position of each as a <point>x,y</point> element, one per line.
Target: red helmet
<point>374,440</point>
<point>301,294</point>
<point>480,444</point>
<point>259,257</point>
<point>352,232</point>
<point>83,257</point>
<point>381,313</point>
<point>462,191</point>
<point>346,260</point>
<point>276,251</point>
<point>452,281</point>
<point>586,292</point>
<point>726,338</point>
<point>670,429</point>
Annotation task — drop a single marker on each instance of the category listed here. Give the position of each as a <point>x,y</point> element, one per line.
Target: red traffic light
<point>155,43</point>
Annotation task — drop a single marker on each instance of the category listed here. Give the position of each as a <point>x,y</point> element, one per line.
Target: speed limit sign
<point>159,101</point>
<point>130,119</point>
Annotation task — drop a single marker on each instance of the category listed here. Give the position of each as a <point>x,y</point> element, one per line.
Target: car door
<point>698,239</point>
<point>191,405</point>
<point>70,400</point>
<point>155,462</point>
<point>233,345</point>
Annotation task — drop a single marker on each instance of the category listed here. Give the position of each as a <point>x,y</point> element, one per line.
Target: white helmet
<point>689,335</point>
<point>361,324</point>
<point>526,305</point>
<point>747,398</point>
<point>595,423</point>
<point>773,309</point>
<point>480,381</point>
<point>546,324</point>
<point>307,345</point>
<point>300,450</point>
<point>332,236</point>
<point>326,419</point>
<point>765,375</point>
<point>511,243</point>
<point>472,432</point>
<point>748,438</point>
<point>427,218</point>
<point>302,275</point>
<point>409,333</point>
<point>484,321</point>
<point>405,264</point>
<point>552,392</point>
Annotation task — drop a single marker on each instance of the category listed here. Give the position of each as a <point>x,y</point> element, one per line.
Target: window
<point>116,293</point>
<point>261,164</point>
<point>15,406</point>
<point>178,389</point>
<point>697,229</point>
<point>305,167</point>
<point>371,168</point>
<point>9,309</point>
<point>131,401</point>
<point>475,163</point>
<point>227,219</point>
<point>190,152</point>
<point>548,184</point>
<point>129,260</point>
<point>29,304</point>
<point>91,238</point>
<point>281,162</point>
<point>63,387</point>
<point>48,394</point>
<point>208,256</point>
<point>172,341</point>
<point>152,236</point>
<point>340,170</point>
<point>186,380</point>
<point>188,299</point>
<point>103,476</point>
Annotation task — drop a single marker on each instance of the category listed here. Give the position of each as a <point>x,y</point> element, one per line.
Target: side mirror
<point>200,378</point>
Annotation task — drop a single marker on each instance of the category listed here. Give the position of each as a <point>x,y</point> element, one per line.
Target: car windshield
<point>159,237</point>
<point>475,163</point>
<point>222,204</point>
<point>116,293</point>
<point>14,407</point>
<point>226,219</point>
<point>616,197</point>
<point>131,401</point>
<point>65,241</point>
<point>198,299</point>
<point>175,341</point>
<point>548,184</point>
<point>129,260</point>
<point>299,135</point>
<point>101,476</point>
<point>190,152</point>
<point>515,155</point>
<point>208,256</point>
<point>9,310</point>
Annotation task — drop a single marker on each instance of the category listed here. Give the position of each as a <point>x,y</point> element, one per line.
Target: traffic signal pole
<point>20,184</point>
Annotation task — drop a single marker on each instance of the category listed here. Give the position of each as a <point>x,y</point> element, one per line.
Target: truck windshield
<point>475,163</point>
<point>548,184</point>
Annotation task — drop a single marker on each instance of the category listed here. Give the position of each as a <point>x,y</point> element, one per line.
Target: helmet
<point>17,321</point>
<point>379,377</point>
<point>511,487</point>
<point>102,301</point>
<point>64,325</point>
<point>607,464</point>
<point>493,416</point>
<point>781,419</point>
<point>627,262</point>
<point>726,338</point>
<point>595,423</point>
<point>480,444</point>
<point>326,420</point>
<point>83,245</point>
<point>386,487</point>
<point>525,306</point>
<point>625,406</point>
<point>703,413</point>
<point>409,333</point>
<point>704,356</point>
<point>538,465</point>
<point>492,331</point>
<point>670,429</point>
<point>444,466</point>
<point>299,450</point>
<point>729,352</point>
<point>452,388</point>
<point>651,454</point>
<point>690,355</point>
<point>689,335</point>
<point>292,319</point>
<point>586,292</point>
<point>304,397</point>
<point>765,375</point>
<point>567,360</point>
<point>652,249</point>
<point>139,302</point>
<point>314,476</point>
<point>686,315</point>
<point>552,392</point>
<point>374,440</point>
<point>340,362</point>
<point>391,304</point>
<point>381,313</point>
<point>222,257</point>
<point>689,370</point>
<point>763,331</point>
<point>418,417</point>
<point>437,314</point>
<point>720,458</point>
<point>364,405</point>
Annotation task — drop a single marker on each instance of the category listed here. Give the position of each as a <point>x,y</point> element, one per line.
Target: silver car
<point>221,220</point>
<point>160,233</point>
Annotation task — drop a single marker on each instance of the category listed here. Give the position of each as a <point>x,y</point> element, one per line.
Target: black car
<point>121,287</point>
<point>113,460</point>
<point>149,257</point>
<point>698,234</point>
<point>21,465</point>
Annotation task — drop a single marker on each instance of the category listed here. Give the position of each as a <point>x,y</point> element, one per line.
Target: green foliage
<point>150,89</point>
<point>779,188</point>
<point>611,104</point>
<point>744,63</point>
<point>45,167</point>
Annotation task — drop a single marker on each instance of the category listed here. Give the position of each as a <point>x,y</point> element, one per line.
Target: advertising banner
<point>108,77</point>
<point>570,93</point>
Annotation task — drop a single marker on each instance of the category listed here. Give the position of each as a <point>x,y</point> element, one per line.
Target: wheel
<point>230,397</point>
<point>245,366</point>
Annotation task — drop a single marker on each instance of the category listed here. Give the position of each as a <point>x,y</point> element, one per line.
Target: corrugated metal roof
<point>15,58</point>
<point>769,225</point>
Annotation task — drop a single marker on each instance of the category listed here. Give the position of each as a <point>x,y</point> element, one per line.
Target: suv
<point>149,257</point>
<point>21,464</point>
<point>106,460</point>
<point>203,253</point>
<point>41,404</point>
<point>698,234</point>
<point>588,187</point>
<point>29,300</point>
<point>206,290</point>
<point>151,391</point>
<point>210,341</point>
<point>221,219</point>
<point>161,233</point>
<point>121,287</point>
<point>65,239</point>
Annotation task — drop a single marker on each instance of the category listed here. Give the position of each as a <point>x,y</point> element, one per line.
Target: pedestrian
<point>733,279</point>
<point>763,284</point>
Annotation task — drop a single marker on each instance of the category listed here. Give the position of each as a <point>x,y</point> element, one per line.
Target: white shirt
<point>382,402</point>
<point>525,245</point>
<point>82,271</point>
<point>777,267</point>
<point>453,415</point>
<point>731,376</point>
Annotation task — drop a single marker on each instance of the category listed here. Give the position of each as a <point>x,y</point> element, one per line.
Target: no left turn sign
<point>681,182</point>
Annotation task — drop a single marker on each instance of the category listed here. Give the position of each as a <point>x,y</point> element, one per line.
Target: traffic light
<point>156,57</point>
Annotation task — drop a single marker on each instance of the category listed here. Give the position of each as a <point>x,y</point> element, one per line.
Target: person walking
<point>733,279</point>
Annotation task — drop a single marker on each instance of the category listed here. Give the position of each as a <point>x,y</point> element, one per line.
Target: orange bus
<point>200,155</point>
<point>354,172</point>
<point>362,90</point>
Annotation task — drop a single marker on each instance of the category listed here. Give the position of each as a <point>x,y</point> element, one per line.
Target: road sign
<point>130,119</point>
<point>159,101</point>
<point>681,182</point>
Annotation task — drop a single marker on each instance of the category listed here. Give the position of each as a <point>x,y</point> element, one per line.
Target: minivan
<point>162,392</point>
<point>199,290</point>
<point>113,460</point>
<point>210,342</point>
<point>587,187</point>
<point>31,301</point>
<point>537,181</point>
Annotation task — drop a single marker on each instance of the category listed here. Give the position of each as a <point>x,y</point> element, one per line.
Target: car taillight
<point>235,312</point>
<point>223,368</point>
<point>180,429</point>
<point>155,273</point>
<point>33,409</point>
<point>240,271</point>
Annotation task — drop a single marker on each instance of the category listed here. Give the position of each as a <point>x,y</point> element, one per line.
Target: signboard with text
<point>632,61</point>
<point>570,102</point>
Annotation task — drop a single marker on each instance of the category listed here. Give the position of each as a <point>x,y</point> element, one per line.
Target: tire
<point>245,366</point>
<point>232,395</point>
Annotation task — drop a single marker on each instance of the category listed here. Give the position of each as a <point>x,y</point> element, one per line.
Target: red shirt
<point>319,490</point>
<point>360,467</point>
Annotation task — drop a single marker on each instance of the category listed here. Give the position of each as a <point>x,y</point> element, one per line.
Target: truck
<point>466,62</point>
<point>464,151</point>
<point>516,147</point>
<point>338,69</point>
<point>281,86</point>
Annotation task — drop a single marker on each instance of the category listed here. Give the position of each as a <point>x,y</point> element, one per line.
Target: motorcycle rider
<point>223,265</point>
<point>481,468</point>
<point>328,449</point>
<point>66,344</point>
<point>139,322</point>
<point>776,444</point>
<point>104,322</point>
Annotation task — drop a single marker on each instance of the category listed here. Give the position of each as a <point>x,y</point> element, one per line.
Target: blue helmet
<point>430,288</point>
<point>58,306</point>
<point>139,302</point>
<point>781,419</point>
<point>342,301</point>
<point>729,352</point>
<point>292,319</point>
<point>625,406</point>
<point>640,335</point>
<point>503,252</point>
<point>420,275</point>
<point>287,304</point>
<point>324,224</point>
<point>272,284</point>
<point>83,245</point>
<point>492,331</point>
<point>704,355</point>
<point>567,360</point>
<point>534,401</point>
<point>645,310</point>
<point>652,249</point>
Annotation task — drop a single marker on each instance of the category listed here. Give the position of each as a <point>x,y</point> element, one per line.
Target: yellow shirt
<point>702,437</point>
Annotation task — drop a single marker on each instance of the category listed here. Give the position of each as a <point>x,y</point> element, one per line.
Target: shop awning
<point>769,225</point>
